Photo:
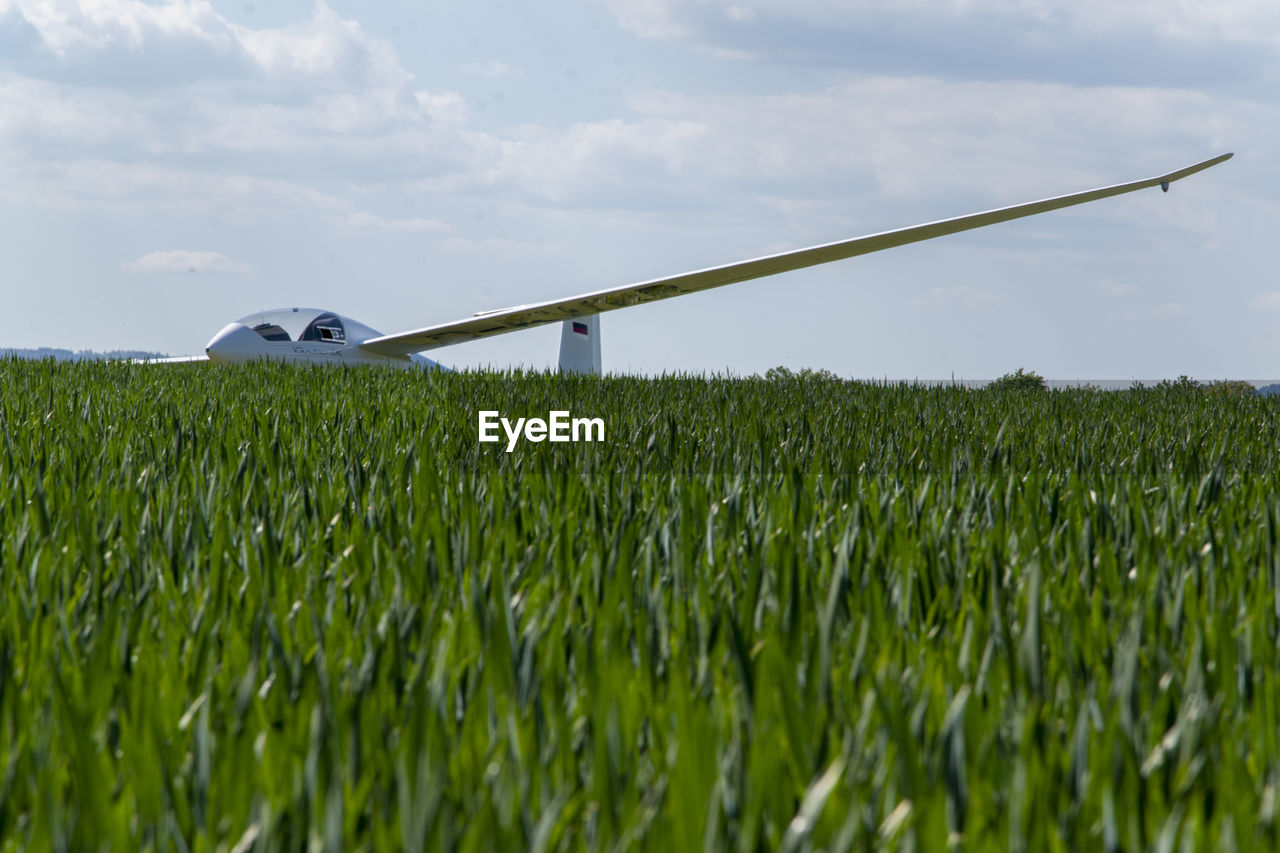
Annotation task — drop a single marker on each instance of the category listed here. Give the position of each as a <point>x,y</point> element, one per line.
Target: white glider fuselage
<point>303,335</point>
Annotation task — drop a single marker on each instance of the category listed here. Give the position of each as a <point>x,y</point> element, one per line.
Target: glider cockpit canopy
<point>306,324</point>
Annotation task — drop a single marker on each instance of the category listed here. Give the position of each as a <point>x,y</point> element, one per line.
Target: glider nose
<point>234,343</point>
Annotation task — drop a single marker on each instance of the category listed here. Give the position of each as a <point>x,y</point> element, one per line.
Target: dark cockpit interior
<point>271,332</point>
<point>326,327</point>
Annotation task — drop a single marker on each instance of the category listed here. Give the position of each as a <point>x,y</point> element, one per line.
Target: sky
<point>168,167</point>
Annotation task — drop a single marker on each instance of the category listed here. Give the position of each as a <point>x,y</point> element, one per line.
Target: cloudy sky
<point>167,167</point>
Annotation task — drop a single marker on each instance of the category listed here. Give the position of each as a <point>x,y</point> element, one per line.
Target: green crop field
<point>264,608</point>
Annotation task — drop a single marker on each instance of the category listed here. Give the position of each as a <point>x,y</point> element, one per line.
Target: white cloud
<point>67,28</point>
<point>179,79</point>
<point>1237,20</point>
<point>649,18</point>
<point>325,46</point>
<point>185,261</point>
<point>417,225</point>
<point>894,138</point>
<point>264,120</point>
<point>102,42</point>
<point>324,102</point>
<point>107,186</point>
<point>324,111</point>
<point>1266,301</point>
<point>593,159</point>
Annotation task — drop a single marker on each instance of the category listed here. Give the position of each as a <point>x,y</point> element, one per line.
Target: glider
<point>314,335</point>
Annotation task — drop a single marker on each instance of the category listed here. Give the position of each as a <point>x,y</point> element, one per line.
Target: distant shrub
<point>1019,381</point>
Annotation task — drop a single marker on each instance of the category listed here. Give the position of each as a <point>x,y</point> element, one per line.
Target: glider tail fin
<point>580,345</point>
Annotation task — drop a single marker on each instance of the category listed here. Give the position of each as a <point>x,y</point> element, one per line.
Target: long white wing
<point>504,320</point>
<point>172,359</point>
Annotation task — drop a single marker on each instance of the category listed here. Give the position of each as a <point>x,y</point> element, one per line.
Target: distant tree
<point>83,355</point>
<point>1217,388</point>
<point>1020,380</point>
<point>1183,383</point>
<point>806,374</point>
<point>1231,388</point>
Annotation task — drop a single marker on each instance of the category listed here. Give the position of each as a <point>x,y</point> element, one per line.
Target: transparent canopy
<point>306,324</point>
